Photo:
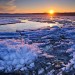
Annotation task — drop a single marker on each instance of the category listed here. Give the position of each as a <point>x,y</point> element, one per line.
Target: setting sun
<point>51,11</point>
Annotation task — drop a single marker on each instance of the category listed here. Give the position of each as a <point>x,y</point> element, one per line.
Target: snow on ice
<point>4,21</point>
<point>14,55</point>
<point>51,48</point>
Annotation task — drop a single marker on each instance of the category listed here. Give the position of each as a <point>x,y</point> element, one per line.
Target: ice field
<point>37,45</point>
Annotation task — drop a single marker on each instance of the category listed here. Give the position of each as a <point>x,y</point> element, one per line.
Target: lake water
<point>26,25</point>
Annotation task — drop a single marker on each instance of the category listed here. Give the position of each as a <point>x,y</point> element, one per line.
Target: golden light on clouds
<point>8,7</point>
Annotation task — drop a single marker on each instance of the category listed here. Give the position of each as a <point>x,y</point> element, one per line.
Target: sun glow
<point>51,12</point>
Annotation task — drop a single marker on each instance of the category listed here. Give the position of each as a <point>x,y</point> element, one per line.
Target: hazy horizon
<point>40,13</point>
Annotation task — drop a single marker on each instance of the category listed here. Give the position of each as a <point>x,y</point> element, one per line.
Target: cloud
<point>7,6</point>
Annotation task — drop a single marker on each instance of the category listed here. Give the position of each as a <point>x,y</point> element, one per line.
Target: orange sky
<point>36,6</point>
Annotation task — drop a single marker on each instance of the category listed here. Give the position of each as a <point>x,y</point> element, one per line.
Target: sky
<point>36,6</point>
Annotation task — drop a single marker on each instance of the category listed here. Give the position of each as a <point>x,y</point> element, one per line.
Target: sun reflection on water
<point>24,21</point>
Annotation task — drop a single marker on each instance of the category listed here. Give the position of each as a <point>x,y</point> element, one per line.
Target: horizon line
<point>41,13</point>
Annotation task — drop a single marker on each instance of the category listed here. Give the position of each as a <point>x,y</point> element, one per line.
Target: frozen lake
<point>37,47</point>
<point>26,25</point>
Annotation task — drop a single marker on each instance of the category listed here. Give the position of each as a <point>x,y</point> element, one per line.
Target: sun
<point>51,12</point>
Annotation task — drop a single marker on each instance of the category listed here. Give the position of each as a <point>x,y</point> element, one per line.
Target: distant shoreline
<point>30,14</point>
